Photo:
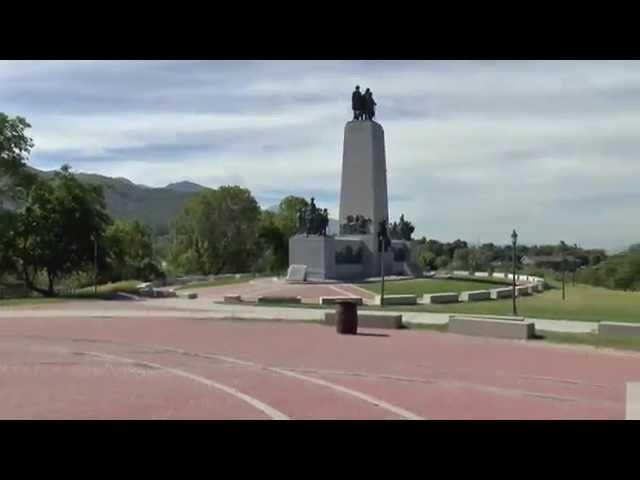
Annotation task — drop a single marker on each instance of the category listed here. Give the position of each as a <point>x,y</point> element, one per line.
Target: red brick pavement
<point>46,372</point>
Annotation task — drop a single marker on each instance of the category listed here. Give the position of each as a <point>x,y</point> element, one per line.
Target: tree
<point>442,262</point>
<point>15,147</point>
<point>273,244</point>
<point>461,258</point>
<point>56,230</point>
<point>129,248</point>
<point>286,217</point>
<point>426,258</point>
<point>216,231</point>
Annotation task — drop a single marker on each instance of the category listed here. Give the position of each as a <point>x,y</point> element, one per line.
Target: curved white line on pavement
<point>339,388</point>
<point>254,402</point>
<point>367,398</point>
<point>343,292</point>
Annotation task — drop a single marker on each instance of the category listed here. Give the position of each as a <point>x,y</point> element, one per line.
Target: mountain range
<point>153,206</point>
<point>129,201</point>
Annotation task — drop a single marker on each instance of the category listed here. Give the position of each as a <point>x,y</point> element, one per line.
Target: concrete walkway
<point>205,308</point>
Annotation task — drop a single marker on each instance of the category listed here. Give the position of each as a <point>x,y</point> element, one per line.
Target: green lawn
<point>582,302</point>
<point>421,286</point>
<point>16,302</point>
<point>106,291</point>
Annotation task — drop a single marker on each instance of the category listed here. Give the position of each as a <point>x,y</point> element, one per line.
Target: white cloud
<point>474,149</point>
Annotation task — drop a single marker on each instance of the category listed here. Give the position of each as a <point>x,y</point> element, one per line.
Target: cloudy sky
<point>474,148</point>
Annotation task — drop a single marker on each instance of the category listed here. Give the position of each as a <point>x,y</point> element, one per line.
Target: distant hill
<point>155,207</point>
<point>185,187</point>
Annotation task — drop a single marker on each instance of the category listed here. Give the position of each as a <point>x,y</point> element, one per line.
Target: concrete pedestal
<point>363,188</point>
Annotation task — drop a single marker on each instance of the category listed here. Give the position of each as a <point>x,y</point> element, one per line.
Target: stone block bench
<point>487,327</point>
<point>632,410</point>
<point>523,291</point>
<point>232,299</point>
<point>333,300</point>
<point>617,329</point>
<point>475,296</point>
<point>370,320</point>
<point>490,317</point>
<point>449,297</point>
<point>278,299</point>
<point>397,300</point>
<point>498,293</point>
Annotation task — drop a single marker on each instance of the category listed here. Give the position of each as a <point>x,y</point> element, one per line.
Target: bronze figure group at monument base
<point>313,220</point>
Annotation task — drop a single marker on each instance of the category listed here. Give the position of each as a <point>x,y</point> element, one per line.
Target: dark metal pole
<point>95,265</point>
<point>515,310</point>
<point>564,270</point>
<point>382,274</point>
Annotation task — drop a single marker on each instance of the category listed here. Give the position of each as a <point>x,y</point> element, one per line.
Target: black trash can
<point>347,317</point>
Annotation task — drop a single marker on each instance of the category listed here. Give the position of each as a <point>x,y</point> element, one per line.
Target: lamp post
<point>95,264</point>
<point>383,241</point>
<point>514,241</point>
<point>564,268</point>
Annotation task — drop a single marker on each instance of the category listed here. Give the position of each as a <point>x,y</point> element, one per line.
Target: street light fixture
<point>514,241</point>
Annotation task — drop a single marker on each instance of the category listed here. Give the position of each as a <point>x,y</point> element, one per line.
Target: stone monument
<point>354,252</point>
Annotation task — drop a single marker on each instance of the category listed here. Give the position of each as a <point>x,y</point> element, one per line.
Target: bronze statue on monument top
<point>363,105</point>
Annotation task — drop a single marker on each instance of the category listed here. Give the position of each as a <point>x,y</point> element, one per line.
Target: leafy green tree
<point>426,258</point>
<point>461,259</point>
<point>273,244</point>
<point>15,147</point>
<point>442,262</point>
<point>56,230</point>
<point>129,247</point>
<point>286,217</point>
<point>216,232</point>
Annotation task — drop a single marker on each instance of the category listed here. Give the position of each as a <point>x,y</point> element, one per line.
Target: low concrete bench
<point>486,327</point>
<point>498,293</point>
<point>475,296</point>
<point>617,329</point>
<point>370,320</point>
<point>191,296</point>
<point>333,300</point>
<point>449,297</point>
<point>632,410</point>
<point>232,299</point>
<point>277,299</point>
<point>397,300</point>
<point>523,291</point>
<point>490,317</point>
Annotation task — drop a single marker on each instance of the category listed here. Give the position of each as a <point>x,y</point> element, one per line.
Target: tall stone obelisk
<point>363,188</point>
